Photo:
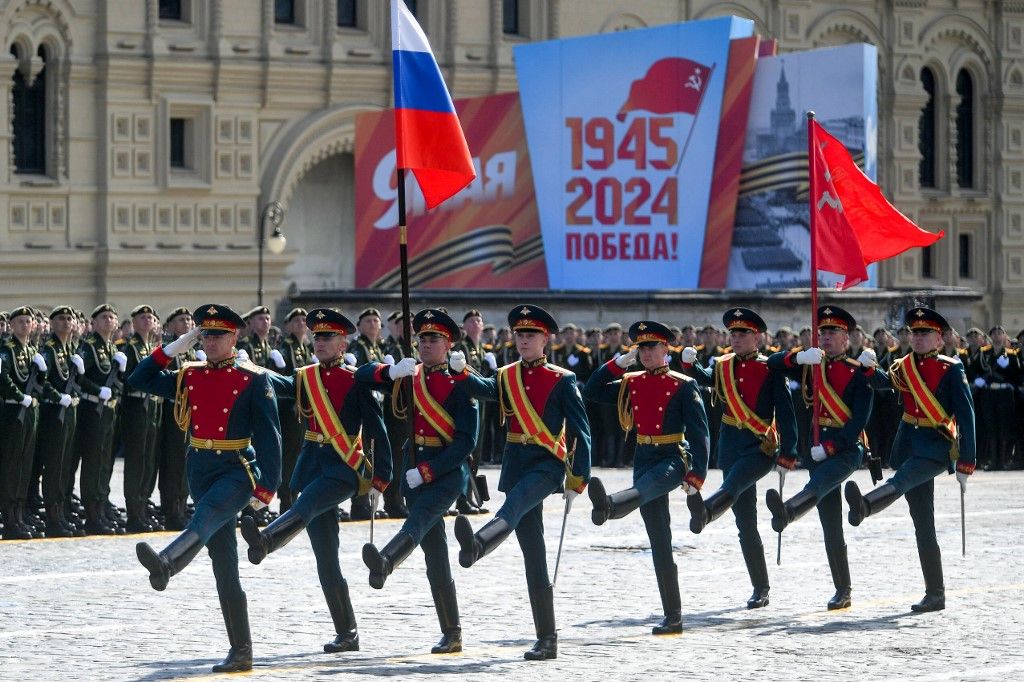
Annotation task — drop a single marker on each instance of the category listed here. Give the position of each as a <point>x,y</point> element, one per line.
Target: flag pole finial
<point>810,115</point>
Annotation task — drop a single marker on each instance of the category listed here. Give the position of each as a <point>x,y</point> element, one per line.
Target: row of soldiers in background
<point>44,442</point>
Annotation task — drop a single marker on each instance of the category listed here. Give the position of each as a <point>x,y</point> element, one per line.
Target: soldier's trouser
<point>829,474</point>
<point>138,429</point>
<point>530,533</point>
<point>171,458</point>
<point>53,447</point>
<point>427,506</point>
<point>316,504</point>
<point>526,495</point>
<point>830,513</point>
<point>19,442</point>
<point>740,482</point>
<point>657,520</point>
<point>659,479</point>
<point>915,471</point>
<point>156,422</point>
<point>921,501</point>
<point>434,544</point>
<point>110,448</point>
<point>291,444</point>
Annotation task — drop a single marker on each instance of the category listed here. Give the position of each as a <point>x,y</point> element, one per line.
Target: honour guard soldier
<point>445,427</point>
<point>398,429</point>
<point>229,411</point>
<point>22,385</point>
<point>292,353</point>
<point>257,344</point>
<point>757,420</point>
<point>548,440</point>
<point>140,421</point>
<point>170,455</point>
<point>57,419</point>
<point>368,347</point>
<point>101,387</point>
<point>340,415</point>
<point>1001,374</point>
<point>845,406</point>
<point>672,449</point>
<point>936,435</point>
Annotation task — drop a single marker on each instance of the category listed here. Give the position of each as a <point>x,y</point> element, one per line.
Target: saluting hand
<point>457,362</point>
<point>626,359</point>
<point>182,343</point>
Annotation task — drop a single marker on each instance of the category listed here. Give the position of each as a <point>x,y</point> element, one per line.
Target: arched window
<point>965,129</point>
<point>926,132</point>
<point>29,119</point>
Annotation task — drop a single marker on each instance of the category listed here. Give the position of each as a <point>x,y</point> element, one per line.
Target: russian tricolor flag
<point>428,137</point>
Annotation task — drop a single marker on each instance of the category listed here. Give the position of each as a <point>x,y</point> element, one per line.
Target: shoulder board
<point>487,346</point>
<point>250,366</point>
<point>679,377</point>
<point>50,343</point>
<point>893,349</point>
<point>700,347</point>
<point>962,352</point>
<point>948,360</point>
<point>582,349</point>
<point>852,362</point>
<point>119,342</point>
<point>796,349</point>
<point>725,356</point>
<point>559,370</point>
<point>675,349</point>
<point>90,340</point>
<point>631,375</point>
<point>192,364</point>
<point>557,346</point>
<point>985,349</point>
<point>1013,351</point>
<point>603,346</point>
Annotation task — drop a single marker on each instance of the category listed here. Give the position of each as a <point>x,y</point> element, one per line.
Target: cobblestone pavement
<point>83,609</point>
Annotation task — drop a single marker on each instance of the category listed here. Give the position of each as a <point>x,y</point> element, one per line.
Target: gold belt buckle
<point>524,439</point>
<point>644,440</point>
<point>420,440</point>
<point>209,443</point>
<point>319,438</point>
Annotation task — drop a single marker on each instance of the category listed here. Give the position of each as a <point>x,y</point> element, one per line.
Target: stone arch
<point>721,9</point>
<point>845,22</point>
<point>960,30</point>
<point>623,21</point>
<point>19,18</point>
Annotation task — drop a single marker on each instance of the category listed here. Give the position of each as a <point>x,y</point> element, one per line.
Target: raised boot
<point>598,498</point>
<point>175,557</point>
<point>785,513</point>
<point>668,587</point>
<point>236,621</point>
<point>840,567</point>
<point>447,606</point>
<point>340,606</point>
<point>863,506</point>
<point>276,535</point>
<point>542,602</point>
<point>753,556</point>
<point>383,563</point>
<point>934,587</point>
<point>473,547</point>
<point>703,512</point>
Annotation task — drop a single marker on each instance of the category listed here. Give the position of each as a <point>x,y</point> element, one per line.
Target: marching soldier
<point>101,387</point>
<point>672,449</point>
<point>229,410</point>
<point>170,455</point>
<point>757,422</point>
<point>292,353</point>
<point>257,344</point>
<point>539,400</point>
<point>936,434</point>
<point>368,347</point>
<point>22,385</point>
<point>339,414</point>
<point>445,426</point>
<point>140,423</point>
<point>57,418</point>
<point>845,406</point>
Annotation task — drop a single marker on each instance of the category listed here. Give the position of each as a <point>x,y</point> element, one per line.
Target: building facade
<point>145,137</point>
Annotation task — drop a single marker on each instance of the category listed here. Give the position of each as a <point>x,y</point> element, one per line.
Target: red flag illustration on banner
<point>854,224</point>
<point>672,85</point>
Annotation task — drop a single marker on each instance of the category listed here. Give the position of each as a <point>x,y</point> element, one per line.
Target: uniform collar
<point>837,358</point>
<point>752,355</point>
<point>539,362</point>
<point>439,367</point>
<point>929,354</point>
<point>658,370</point>
<point>336,362</point>
<point>227,362</point>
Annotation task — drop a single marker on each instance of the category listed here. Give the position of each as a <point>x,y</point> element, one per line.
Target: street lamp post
<point>274,213</point>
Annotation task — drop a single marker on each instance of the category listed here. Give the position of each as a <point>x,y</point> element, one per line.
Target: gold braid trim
<point>181,411</point>
<point>896,377</point>
<point>807,386</point>
<point>302,412</point>
<point>398,405</point>
<point>624,404</point>
<point>505,410</point>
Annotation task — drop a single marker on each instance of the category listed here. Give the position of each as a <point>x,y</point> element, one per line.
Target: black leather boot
<point>96,522</point>
<point>863,506</point>
<point>668,587</point>
<point>14,529</point>
<point>840,567</point>
<point>703,512</point>
<point>785,513</point>
<point>236,621</point>
<point>137,520</point>
<point>175,557</point>
<point>277,534</point>
<point>55,526</point>
<point>340,606</point>
<point>599,499</point>
<point>542,602</point>
<point>473,547</point>
<point>934,587</point>
<point>753,556</point>
<point>383,563</point>
<point>447,606</point>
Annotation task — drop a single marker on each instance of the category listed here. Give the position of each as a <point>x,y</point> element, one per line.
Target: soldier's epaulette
<point>120,342</point>
<point>985,349</point>
<point>893,349</point>
<point>961,352</point>
<point>1013,351</point>
<point>948,360</point>
<point>603,346</point>
<point>582,349</point>
<point>796,349</point>
<point>487,346</point>
<point>699,348</point>
<point>723,350</point>
<point>192,364</point>
<point>680,377</point>
<point>631,375</point>
<point>250,366</point>
<point>557,346</point>
<point>559,370</point>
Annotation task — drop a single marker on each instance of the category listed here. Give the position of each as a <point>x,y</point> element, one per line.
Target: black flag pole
<point>403,262</point>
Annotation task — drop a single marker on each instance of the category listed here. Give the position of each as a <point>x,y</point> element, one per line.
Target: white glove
<point>961,478</point>
<point>256,503</point>
<point>315,360</point>
<point>572,360</point>
<point>712,360</point>
<point>406,367</point>
<point>389,359</point>
<point>65,400</point>
<point>241,355</point>
<point>668,358</point>
<point>818,453</point>
<point>414,478</point>
<point>457,362</point>
<point>78,362</point>
<point>781,471</point>
<point>793,384</point>
<point>277,358</point>
<point>183,343</point>
<point>626,359</point>
<point>811,356</point>
<point>105,393</point>
<point>374,497</point>
<point>350,359</point>
<point>201,355</point>
<point>689,489</point>
<point>868,358</point>
<point>39,362</point>
<point>980,383</point>
<point>26,400</point>
<point>1003,361</point>
<point>569,496</point>
<point>491,361</point>
<point>121,359</point>
<point>689,355</point>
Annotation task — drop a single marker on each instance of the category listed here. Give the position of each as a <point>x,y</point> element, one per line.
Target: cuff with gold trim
<point>381,373</point>
<point>614,368</point>
<point>787,462</point>
<point>573,482</point>
<point>160,357</point>
<point>830,447</point>
<point>790,360</point>
<point>965,467</point>
<point>263,495</point>
<point>426,472</point>
<point>694,480</point>
<point>379,483</point>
